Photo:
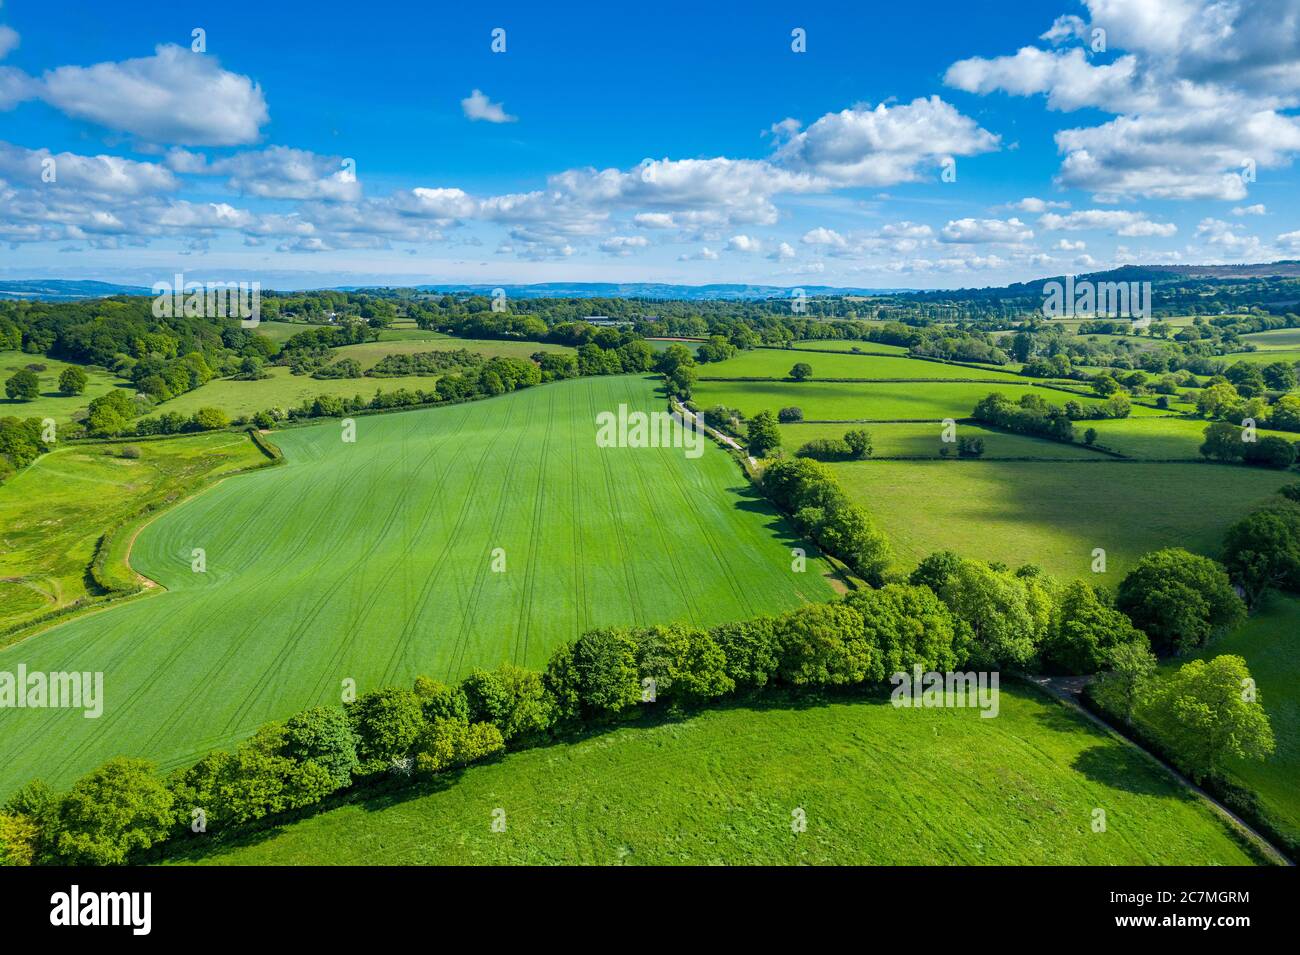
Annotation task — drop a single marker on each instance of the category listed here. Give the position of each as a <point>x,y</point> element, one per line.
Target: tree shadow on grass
<point>1119,767</point>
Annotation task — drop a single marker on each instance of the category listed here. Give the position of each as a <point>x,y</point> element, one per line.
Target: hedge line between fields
<point>607,676</point>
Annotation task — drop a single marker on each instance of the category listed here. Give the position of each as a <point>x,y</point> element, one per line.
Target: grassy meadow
<point>1053,513</point>
<point>53,512</point>
<point>922,440</point>
<point>373,561</point>
<point>878,786</point>
<point>776,363</point>
<point>873,401</point>
<point>836,344</point>
<point>1158,438</point>
<point>369,354</point>
<point>284,390</point>
<point>52,403</point>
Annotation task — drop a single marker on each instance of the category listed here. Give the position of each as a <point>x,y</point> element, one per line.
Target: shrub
<point>511,698</point>
<point>801,371</point>
<point>1270,452</point>
<point>111,812</point>
<point>455,742</point>
<point>386,723</point>
<point>210,419</point>
<point>859,442</point>
<point>825,449</point>
<point>685,664</point>
<point>324,736</point>
<point>787,415</point>
<point>751,654</point>
<point>439,701</point>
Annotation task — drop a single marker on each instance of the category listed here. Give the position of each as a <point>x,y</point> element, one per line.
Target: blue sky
<point>351,143</point>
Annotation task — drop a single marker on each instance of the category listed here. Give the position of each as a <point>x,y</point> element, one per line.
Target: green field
<point>53,512</point>
<point>1266,356</point>
<point>282,390</point>
<point>285,390</point>
<point>878,785</point>
<point>892,401</point>
<point>64,409</point>
<point>776,363</point>
<point>1054,513</point>
<point>1279,339</point>
<point>923,441</point>
<point>281,331</point>
<point>1161,438</point>
<point>835,344</point>
<point>368,354</point>
<point>1270,644</point>
<point>372,561</point>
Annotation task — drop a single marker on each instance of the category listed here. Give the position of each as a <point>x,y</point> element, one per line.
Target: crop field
<point>1054,513</point>
<point>922,440</point>
<point>83,492</point>
<point>52,403</point>
<point>878,785</point>
<point>374,561</point>
<point>776,363</point>
<point>872,401</point>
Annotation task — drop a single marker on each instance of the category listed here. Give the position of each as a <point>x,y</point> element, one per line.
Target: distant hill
<point>651,290</point>
<point>1156,274</point>
<point>63,290</point>
<point>68,290</point>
